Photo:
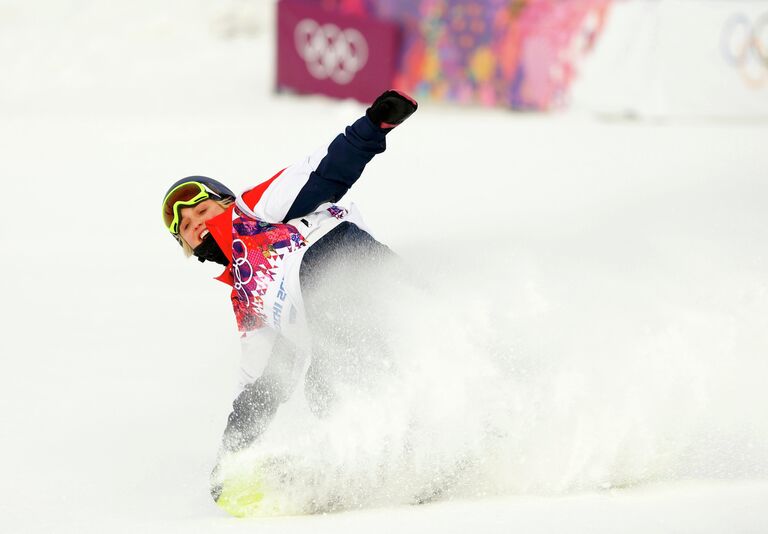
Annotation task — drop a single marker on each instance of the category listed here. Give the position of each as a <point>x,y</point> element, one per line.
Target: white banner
<point>684,58</point>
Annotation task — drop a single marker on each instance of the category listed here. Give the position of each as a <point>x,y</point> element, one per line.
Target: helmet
<point>190,191</point>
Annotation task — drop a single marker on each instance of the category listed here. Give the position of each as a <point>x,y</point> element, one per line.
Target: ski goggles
<point>182,196</point>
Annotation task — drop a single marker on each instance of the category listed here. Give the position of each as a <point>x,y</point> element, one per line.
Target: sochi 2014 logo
<point>744,44</point>
<point>329,51</point>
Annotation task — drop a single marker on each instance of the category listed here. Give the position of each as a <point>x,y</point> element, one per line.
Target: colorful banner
<point>517,53</point>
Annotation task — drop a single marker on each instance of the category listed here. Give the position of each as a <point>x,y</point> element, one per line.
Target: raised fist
<point>390,109</point>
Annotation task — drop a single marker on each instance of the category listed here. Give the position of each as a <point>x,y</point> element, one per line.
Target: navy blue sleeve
<point>347,156</point>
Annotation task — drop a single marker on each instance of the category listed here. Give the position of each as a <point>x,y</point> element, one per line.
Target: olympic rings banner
<point>335,54</point>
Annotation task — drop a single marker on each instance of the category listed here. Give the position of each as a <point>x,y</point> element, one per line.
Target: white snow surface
<point>591,345</point>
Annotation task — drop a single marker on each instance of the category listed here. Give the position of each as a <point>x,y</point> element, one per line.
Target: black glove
<point>390,109</point>
<point>252,411</point>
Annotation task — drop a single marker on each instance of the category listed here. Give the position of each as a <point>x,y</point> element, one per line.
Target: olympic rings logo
<point>238,262</point>
<point>745,46</point>
<point>330,52</point>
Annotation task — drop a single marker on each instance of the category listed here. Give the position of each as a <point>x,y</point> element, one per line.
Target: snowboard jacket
<point>266,232</point>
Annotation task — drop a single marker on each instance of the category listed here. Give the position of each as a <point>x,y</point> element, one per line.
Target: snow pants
<point>343,278</point>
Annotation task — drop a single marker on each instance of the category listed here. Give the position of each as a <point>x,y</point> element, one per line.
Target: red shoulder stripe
<point>252,197</point>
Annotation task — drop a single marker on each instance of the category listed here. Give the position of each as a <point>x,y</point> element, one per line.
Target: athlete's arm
<point>327,175</point>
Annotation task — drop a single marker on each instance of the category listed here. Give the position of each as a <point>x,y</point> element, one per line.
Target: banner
<point>335,54</point>
<point>684,58</point>
<point>522,54</point>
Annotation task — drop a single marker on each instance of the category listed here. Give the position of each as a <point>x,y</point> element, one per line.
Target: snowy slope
<point>620,269</point>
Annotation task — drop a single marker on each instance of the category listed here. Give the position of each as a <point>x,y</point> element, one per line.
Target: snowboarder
<point>278,242</point>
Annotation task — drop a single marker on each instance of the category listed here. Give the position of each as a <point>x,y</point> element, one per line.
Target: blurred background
<point>584,185</point>
<point>623,58</point>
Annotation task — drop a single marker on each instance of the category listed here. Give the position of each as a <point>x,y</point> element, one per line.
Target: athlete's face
<point>192,225</point>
